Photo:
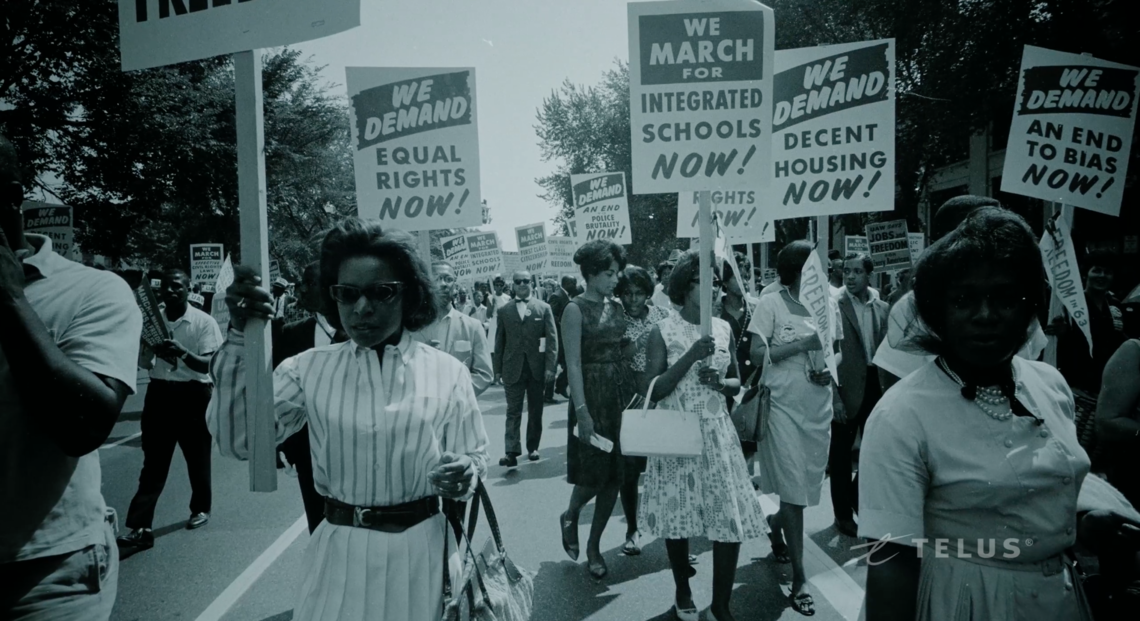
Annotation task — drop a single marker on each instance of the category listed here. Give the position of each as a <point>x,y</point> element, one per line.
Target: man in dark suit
<point>558,302</point>
<point>526,352</point>
<point>864,318</point>
<point>288,341</point>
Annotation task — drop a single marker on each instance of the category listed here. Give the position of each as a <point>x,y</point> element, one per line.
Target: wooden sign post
<point>823,240</point>
<point>260,423</point>
<point>706,250</point>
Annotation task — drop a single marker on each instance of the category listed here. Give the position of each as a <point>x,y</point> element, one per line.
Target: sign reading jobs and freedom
<point>416,142</point>
<point>601,207</point>
<point>532,247</point>
<point>153,33</point>
<point>738,214</point>
<point>205,264</point>
<point>1072,130</point>
<point>700,84</point>
<point>834,123</point>
<point>889,245</point>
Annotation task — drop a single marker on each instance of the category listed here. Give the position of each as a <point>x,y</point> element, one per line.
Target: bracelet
<point>579,407</point>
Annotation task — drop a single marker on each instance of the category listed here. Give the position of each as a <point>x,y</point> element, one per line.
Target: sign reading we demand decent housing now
<point>1072,130</point>
<point>700,84</point>
<point>416,140</point>
<point>601,207</point>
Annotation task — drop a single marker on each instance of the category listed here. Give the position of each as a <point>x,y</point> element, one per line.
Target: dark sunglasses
<point>376,292</point>
<point>521,281</point>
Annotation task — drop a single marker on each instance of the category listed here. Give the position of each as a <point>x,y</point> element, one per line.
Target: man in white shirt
<point>68,350</point>
<point>174,412</point>
<point>457,334</point>
<point>835,272</point>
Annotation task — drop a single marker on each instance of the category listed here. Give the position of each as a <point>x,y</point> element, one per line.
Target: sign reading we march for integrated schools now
<point>153,33</point>
<point>833,148</point>
<point>416,147</point>
<point>700,84</point>
<point>601,207</point>
<point>485,255</point>
<point>532,247</point>
<point>1072,130</point>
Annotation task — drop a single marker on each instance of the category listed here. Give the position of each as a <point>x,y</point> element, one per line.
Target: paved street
<point>246,563</point>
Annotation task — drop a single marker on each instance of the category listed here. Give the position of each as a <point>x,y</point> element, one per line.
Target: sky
<point>521,50</point>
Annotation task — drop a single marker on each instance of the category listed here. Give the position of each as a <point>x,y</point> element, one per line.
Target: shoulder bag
<point>660,432</point>
<point>750,416</point>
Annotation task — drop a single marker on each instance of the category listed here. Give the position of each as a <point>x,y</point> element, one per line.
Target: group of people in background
<point>964,436</point>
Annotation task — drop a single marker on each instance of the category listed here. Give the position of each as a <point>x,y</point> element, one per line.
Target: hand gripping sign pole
<point>260,426</point>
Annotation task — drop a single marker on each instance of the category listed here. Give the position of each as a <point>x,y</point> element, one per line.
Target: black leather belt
<point>393,519</point>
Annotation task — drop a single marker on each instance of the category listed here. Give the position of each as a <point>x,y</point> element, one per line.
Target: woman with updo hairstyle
<point>593,326</point>
<point>393,424</point>
<point>970,467</point>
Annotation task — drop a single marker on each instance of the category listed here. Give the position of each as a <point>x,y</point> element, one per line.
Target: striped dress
<point>379,422</point>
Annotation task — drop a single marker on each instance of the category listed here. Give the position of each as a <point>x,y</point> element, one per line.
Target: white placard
<point>512,263</point>
<point>486,256</point>
<point>153,33</point>
<point>738,213</point>
<point>205,264</point>
<point>917,243</point>
<point>815,295</point>
<point>601,208</point>
<point>56,222</point>
<point>455,252</point>
<point>561,258</point>
<point>833,150</point>
<point>1065,275</point>
<point>416,147</point>
<point>1072,130</point>
<point>218,309</point>
<point>700,85</point>
<point>532,247</point>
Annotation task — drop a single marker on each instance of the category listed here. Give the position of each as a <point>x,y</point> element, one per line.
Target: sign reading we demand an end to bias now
<point>1072,130</point>
<point>153,33</point>
<point>416,142</point>
<point>601,207</point>
<point>700,83</point>
<point>834,121</point>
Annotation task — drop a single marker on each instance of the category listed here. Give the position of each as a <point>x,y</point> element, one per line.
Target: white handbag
<point>660,432</point>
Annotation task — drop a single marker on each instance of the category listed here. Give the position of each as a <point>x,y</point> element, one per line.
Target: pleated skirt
<point>356,574</point>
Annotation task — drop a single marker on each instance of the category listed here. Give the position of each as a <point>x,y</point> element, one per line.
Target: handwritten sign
<point>700,85</point>
<point>416,147</point>
<point>532,247</point>
<point>1065,275</point>
<point>601,208</point>
<point>1072,130</point>
<point>889,245</point>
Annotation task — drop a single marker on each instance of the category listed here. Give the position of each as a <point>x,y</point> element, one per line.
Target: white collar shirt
<point>199,333</point>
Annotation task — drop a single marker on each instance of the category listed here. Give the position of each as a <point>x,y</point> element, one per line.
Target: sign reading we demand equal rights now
<point>700,84</point>
<point>601,207</point>
<point>416,140</point>
<point>1072,130</point>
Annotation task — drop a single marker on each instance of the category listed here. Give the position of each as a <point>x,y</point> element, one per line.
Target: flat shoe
<point>569,536</point>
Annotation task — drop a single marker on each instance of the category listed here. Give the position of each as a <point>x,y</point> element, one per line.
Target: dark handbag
<point>750,416</point>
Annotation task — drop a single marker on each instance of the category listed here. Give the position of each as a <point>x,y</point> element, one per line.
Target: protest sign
<point>512,263</point>
<point>572,227</point>
<point>700,85</point>
<point>815,295</point>
<point>218,309</point>
<point>889,245</point>
<point>486,258</point>
<point>155,283</point>
<point>154,329</point>
<point>415,137</point>
<point>1072,130</point>
<point>601,207</point>
<point>768,276</point>
<point>1064,274</point>
<point>738,214</point>
<point>855,244</point>
<point>455,252</point>
<point>54,222</point>
<point>274,270</point>
<point>834,124</point>
<point>560,261</point>
<point>532,247</point>
<point>205,264</point>
<point>153,33</point>
<point>917,243</point>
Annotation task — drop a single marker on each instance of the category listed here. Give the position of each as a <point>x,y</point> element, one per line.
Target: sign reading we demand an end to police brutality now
<point>834,121</point>
<point>416,147</point>
<point>601,207</point>
<point>154,33</point>
<point>1072,130</point>
<point>700,84</point>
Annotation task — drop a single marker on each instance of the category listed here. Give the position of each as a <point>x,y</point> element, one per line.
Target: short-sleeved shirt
<point>200,335</point>
<point>51,503</point>
<point>934,465</point>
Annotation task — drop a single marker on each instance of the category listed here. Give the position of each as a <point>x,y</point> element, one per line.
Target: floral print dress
<point>708,496</point>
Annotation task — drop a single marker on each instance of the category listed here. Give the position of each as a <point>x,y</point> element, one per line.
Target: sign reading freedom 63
<point>154,33</point>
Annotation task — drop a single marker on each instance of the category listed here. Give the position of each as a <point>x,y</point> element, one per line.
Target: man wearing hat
<point>281,297</point>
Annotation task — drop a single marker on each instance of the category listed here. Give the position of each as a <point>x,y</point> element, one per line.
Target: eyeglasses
<point>381,292</point>
<point>521,281</point>
<point>1000,301</point>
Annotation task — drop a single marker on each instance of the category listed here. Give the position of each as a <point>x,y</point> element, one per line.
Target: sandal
<point>803,604</point>
<point>569,536</point>
<point>630,548</point>
<point>779,548</point>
